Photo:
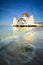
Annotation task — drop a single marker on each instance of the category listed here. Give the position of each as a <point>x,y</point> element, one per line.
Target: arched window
<point>21,21</point>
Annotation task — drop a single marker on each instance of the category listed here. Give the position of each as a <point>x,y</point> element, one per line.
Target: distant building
<point>25,19</point>
<point>40,24</point>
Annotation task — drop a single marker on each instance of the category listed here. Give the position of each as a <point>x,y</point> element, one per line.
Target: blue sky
<point>11,8</point>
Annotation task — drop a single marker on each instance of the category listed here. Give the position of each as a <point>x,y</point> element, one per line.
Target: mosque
<point>24,20</point>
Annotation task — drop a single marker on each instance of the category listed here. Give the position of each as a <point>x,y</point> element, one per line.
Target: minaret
<point>14,21</point>
<point>30,20</point>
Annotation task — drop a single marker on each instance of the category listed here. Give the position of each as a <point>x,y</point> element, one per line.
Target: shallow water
<point>21,46</point>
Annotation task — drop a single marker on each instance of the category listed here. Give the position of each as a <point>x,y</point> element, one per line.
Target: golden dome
<point>24,15</point>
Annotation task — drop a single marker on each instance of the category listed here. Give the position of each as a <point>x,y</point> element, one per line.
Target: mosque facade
<point>24,20</point>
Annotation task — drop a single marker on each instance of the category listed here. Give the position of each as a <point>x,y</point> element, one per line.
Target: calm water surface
<point>21,46</point>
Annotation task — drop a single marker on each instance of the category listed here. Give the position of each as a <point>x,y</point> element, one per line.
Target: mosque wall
<point>29,20</point>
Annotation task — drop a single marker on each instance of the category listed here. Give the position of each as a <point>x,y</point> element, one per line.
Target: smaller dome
<point>24,15</point>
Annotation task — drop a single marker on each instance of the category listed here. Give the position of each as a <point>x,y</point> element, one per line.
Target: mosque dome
<point>24,15</point>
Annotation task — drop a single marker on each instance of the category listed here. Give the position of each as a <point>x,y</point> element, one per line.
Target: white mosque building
<point>24,20</point>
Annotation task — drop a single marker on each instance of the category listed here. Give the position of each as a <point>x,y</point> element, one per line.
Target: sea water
<point>21,45</point>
